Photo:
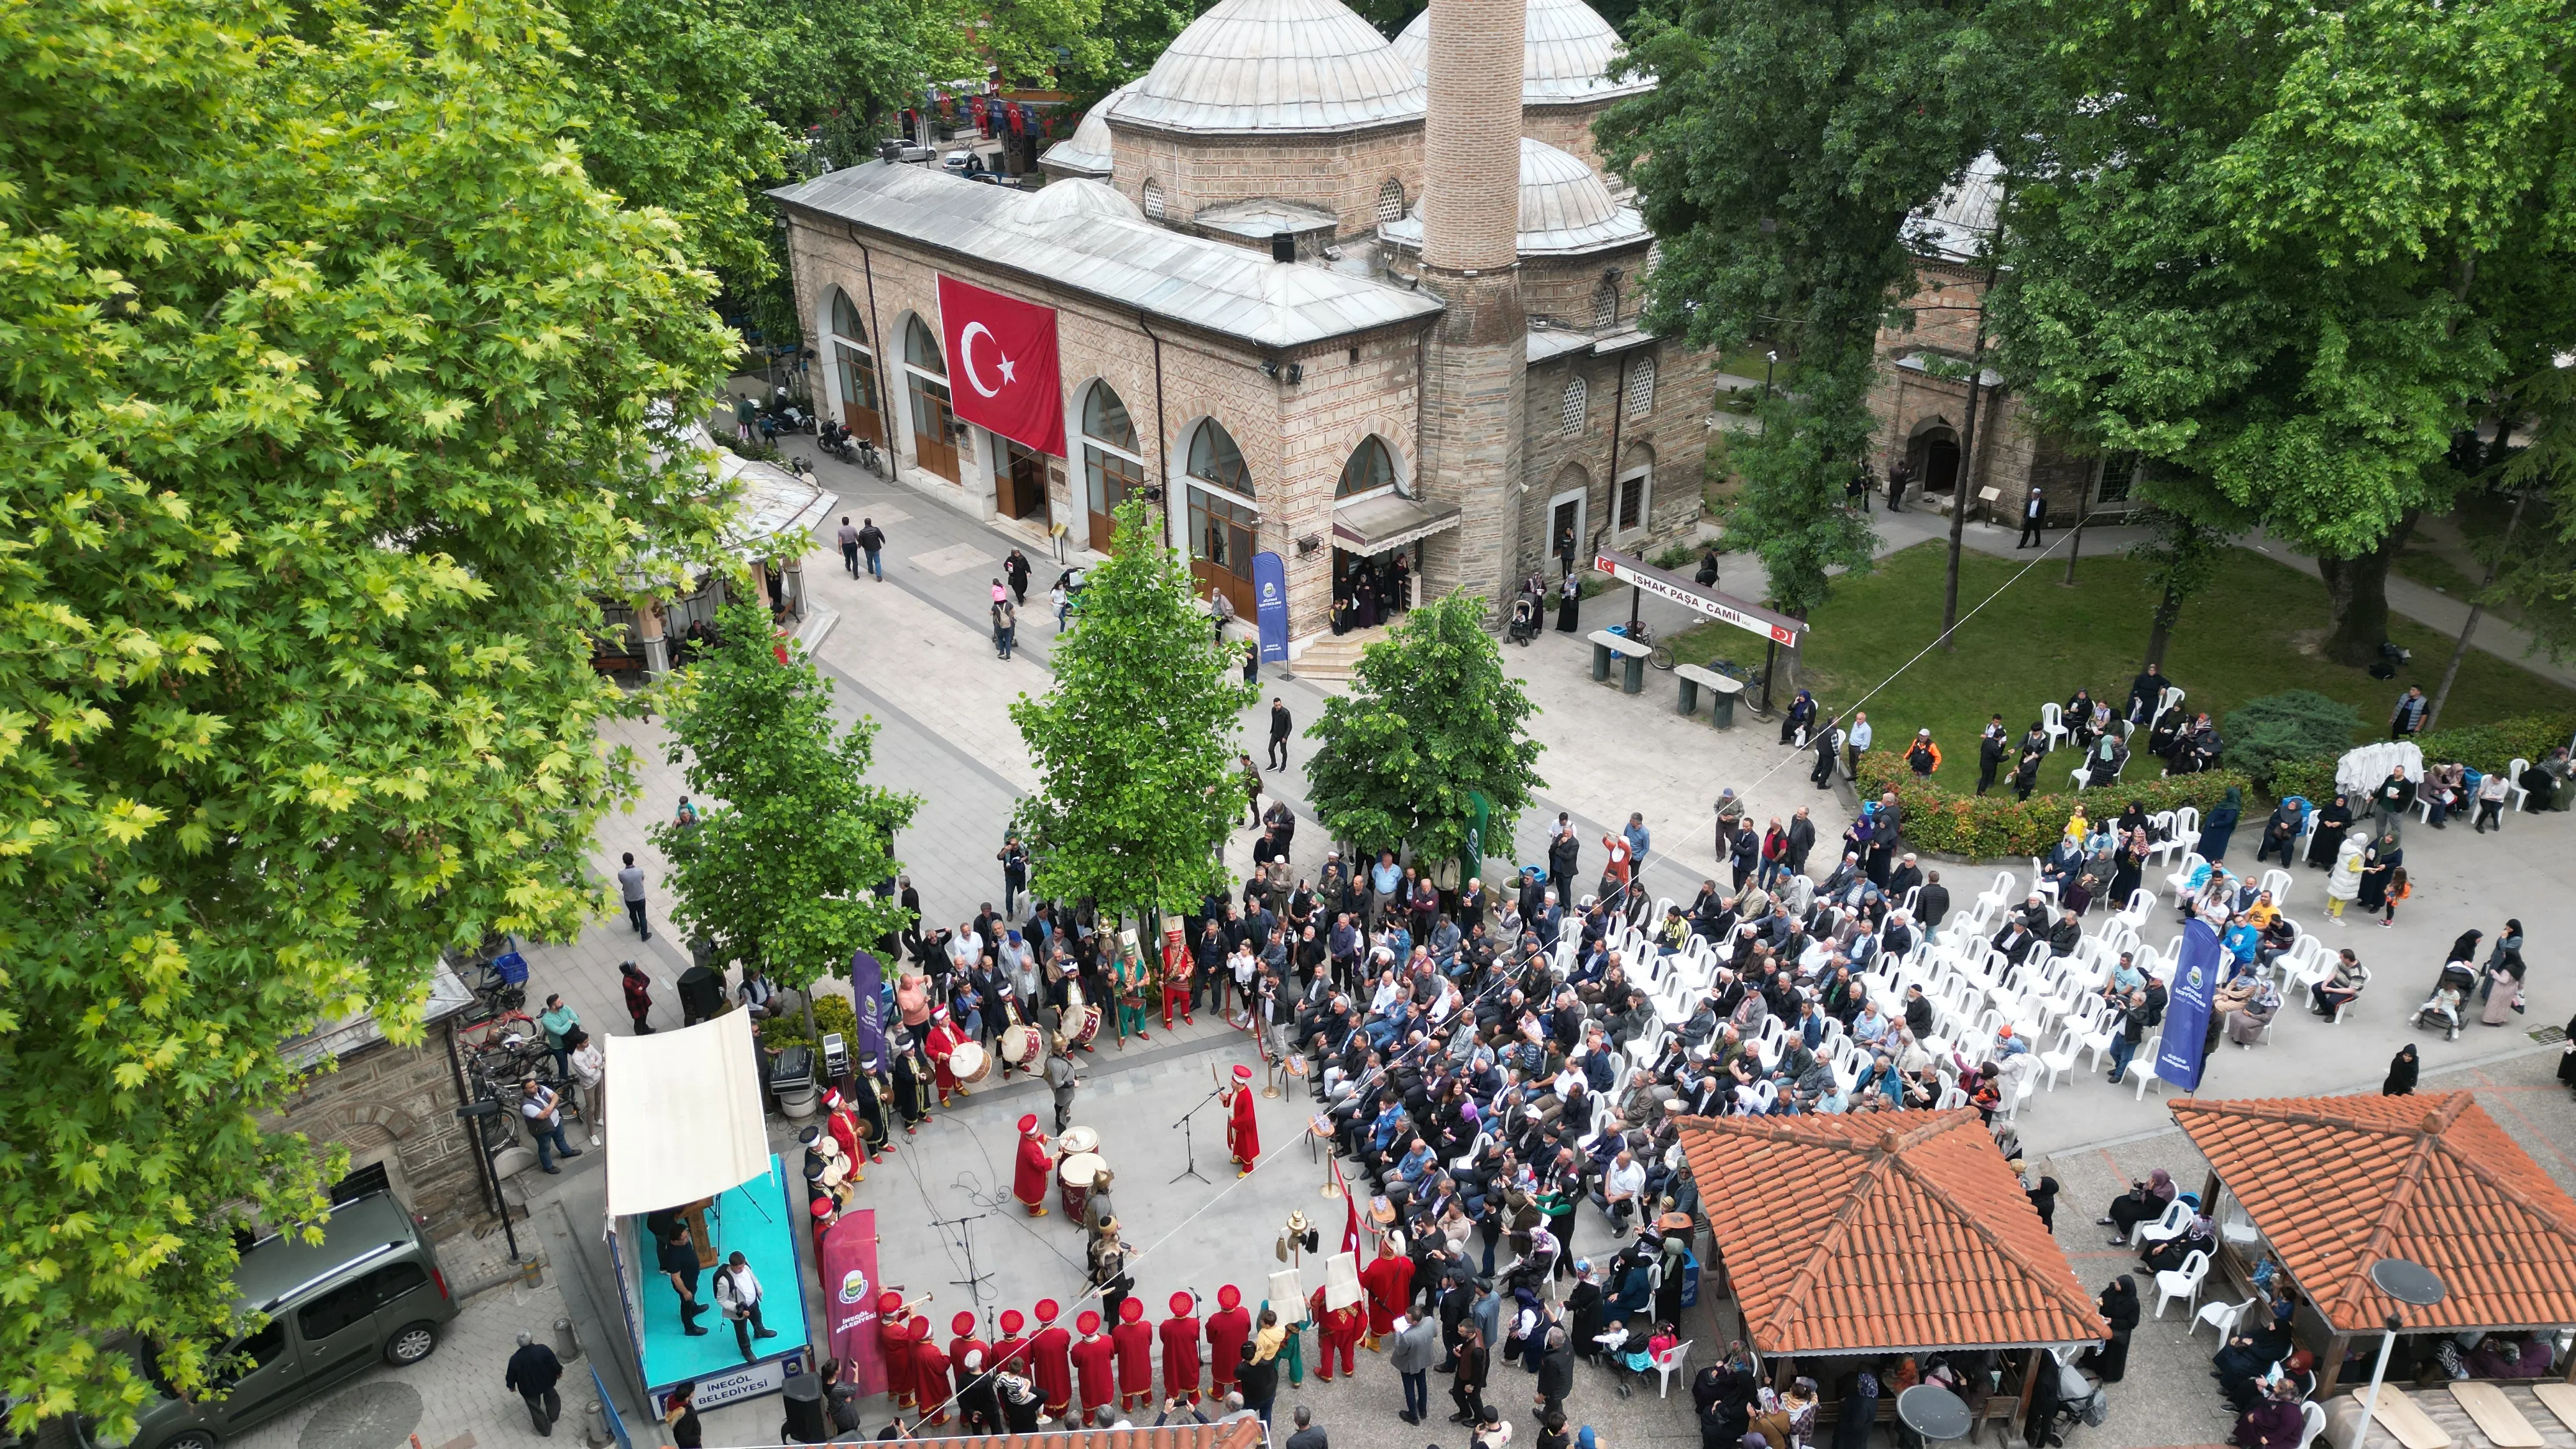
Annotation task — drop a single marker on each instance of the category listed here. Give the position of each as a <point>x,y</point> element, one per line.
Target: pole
<point>1968,446</point>
<point>2379,1370</point>
<point>1770,656</point>
<point>2074,548</point>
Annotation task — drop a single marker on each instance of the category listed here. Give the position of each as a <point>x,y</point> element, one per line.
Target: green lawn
<point>2039,640</point>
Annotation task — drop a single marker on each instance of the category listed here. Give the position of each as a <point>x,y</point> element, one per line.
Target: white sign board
<point>1629,573</point>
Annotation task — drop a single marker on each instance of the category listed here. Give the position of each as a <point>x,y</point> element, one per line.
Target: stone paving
<point>912,654</point>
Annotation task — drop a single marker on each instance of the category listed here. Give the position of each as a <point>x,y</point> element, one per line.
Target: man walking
<point>1281,726</point>
<point>1856,742</point>
<point>738,1295</point>
<point>1638,840</point>
<point>639,996</point>
<point>1006,624</point>
<point>1308,1436</point>
<point>630,883</point>
<point>1416,1344</point>
<point>1060,1078</point>
<point>849,541</point>
<point>872,543</point>
<point>532,1375</point>
<point>2034,512</point>
<point>675,1252</point>
<point>2409,718</point>
<point>1899,473</point>
<point>544,1110</point>
<point>1015,872</point>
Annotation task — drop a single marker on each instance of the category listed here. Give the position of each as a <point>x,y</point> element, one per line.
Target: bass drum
<point>969,1063</point>
<point>1020,1046</point>
<point>1086,1024</point>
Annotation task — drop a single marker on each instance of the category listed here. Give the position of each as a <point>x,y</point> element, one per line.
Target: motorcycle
<point>835,440</point>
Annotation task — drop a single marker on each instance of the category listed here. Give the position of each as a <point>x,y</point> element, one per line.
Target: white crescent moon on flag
<point>966,358</point>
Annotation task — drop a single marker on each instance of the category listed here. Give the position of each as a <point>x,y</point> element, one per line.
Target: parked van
<point>370,1292</point>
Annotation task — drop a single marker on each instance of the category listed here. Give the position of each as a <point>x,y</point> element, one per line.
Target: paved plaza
<point>911,653</point>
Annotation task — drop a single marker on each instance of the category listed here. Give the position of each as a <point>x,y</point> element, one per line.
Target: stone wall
<point>1341,173</point>
<point>1673,437</point>
<point>1569,289</point>
<point>397,1105</point>
<point>1568,128</point>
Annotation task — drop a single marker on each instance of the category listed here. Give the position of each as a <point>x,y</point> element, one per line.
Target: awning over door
<point>1388,522</point>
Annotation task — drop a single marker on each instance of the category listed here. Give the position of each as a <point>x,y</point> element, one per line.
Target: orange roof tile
<point>2337,1183</point>
<point>1882,1233</point>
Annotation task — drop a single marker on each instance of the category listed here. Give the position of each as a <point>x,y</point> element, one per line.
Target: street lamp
<point>1933,1413</point>
<point>2409,1283</point>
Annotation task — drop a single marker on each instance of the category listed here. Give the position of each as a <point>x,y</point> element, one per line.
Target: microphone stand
<point>1189,1152</point>
<point>973,1282</point>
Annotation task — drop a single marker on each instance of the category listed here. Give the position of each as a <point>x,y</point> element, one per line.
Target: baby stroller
<point>1524,625</point>
<point>2449,1001</point>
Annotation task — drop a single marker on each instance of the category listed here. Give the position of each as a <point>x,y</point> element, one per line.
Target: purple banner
<point>867,998</point>
<point>2195,980</point>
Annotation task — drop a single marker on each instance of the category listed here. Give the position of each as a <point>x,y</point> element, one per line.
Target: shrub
<point>2299,724</point>
<point>2484,748</point>
<point>1988,827</point>
<point>835,1014</point>
<point>781,1032</point>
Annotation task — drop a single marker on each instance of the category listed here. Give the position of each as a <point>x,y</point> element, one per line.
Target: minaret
<point>1471,443</point>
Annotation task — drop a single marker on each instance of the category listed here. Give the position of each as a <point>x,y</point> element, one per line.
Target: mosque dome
<point>1565,207</point>
<point>1086,151</point>
<point>1073,196</point>
<point>1275,66</point>
<point>1566,53</point>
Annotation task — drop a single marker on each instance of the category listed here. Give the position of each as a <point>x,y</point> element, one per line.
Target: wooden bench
<point>618,663</point>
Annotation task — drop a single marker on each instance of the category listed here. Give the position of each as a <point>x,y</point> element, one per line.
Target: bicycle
<point>1752,678</point>
<point>1657,655</point>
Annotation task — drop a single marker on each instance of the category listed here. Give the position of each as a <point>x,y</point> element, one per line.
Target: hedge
<point>1985,827</point>
<point>2484,748</point>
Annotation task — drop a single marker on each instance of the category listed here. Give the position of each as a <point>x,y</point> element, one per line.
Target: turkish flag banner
<point>1002,364</point>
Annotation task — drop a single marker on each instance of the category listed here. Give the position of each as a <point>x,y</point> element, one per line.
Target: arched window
<point>845,319</point>
<point>1654,257</point>
<point>1578,401</point>
<point>854,369</point>
<point>925,377</point>
<point>1390,200</point>
<point>1221,528</point>
<point>1641,387</point>
<point>1112,468</point>
<point>1153,200</point>
<point>1371,467</point>
<point>1605,308</point>
<point>1214,457</point>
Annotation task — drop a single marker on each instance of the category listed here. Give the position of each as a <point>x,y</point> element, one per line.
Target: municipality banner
<point>2195,980</point>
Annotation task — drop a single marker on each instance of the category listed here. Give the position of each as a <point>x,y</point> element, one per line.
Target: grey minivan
<point>371,1291</point>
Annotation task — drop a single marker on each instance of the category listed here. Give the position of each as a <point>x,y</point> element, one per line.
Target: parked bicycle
<point>1643,633</point>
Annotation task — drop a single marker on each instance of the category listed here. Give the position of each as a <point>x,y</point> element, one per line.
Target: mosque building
<point>1314,294</point>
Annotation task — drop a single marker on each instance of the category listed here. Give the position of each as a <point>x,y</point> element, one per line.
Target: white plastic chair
<point>2099,1032</point>
<point>2222,1316</point>
<point>2052,720</point>
<point>2278,883</point>
<point>2513,777</point>
<point>1671,1360</point>
<point>2176,1217</point>
<point>2179,882</point>
<point>2144,1065</point>
<point>2187,826</point>
<point>2312,1422</point>
<point>2182,1282</point>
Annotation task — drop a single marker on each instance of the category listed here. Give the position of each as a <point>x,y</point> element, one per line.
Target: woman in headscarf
<point>2144,1202</point>
<point>2167,1256</point>
<point>2129,867</point>
<point>2274,1422</point>
<point>2401,1073</point>
<point>2110,1361</point>
<point>2220,826</point>
<point>2332,822</point>
<point>2503,984</point>
<point>1859,1411</point>
<point>2246,1023</point>
<point>1569,604</point>
<point>2379,867</point>
<point>1800,714</point>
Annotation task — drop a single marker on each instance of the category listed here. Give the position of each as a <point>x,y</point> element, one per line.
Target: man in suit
<point>2034,512</point>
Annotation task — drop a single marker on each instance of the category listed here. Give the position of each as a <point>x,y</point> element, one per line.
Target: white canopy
<point>2360,771</point>
<point>683,1115</point>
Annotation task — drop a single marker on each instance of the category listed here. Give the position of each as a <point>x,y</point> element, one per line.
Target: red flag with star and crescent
<point>1002,364</point>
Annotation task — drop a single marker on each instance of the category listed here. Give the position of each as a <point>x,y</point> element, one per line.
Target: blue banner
<point>1270,594</point>
<point>867,997</point>
<point>2195,979</point>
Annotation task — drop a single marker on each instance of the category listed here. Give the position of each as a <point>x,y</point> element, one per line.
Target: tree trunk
<point>2357,592</point>
<point>2477,606</point>
<point>2160,633</point>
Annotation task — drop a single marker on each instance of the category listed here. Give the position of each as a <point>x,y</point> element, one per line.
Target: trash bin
<point>791,1081</point>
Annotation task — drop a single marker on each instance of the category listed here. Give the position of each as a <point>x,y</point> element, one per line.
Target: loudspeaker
<point>805,1424</point>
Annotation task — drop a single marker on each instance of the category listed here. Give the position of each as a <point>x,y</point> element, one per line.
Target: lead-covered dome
<point>1073,196</point>
<point>1086,151</point>
<point>1565,207</point>
<point>1275,66</point>
<point>1566,52</point>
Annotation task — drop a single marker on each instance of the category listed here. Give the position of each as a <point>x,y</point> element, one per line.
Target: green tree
<point>1430,719</point>
<point>2293,251</point>
<point>783,866</point>
<point>1134,745</point>
<point>2188,535</point>
<point>328,409</point>
<point>1777,157</point>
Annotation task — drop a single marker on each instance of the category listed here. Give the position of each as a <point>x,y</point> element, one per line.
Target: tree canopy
<point>1134,745</point>
<point>1430,719</point>
<point>783,866</point>
<point>2289,253</point>
<point>331,397</point>
<point>1777,159</point>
